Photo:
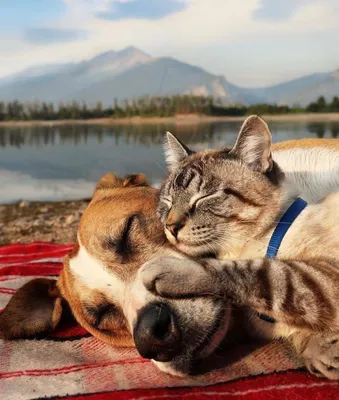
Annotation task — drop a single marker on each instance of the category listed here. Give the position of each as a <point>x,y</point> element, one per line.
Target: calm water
<point>56,163</point>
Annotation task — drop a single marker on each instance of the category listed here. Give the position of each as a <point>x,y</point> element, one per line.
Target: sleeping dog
<point>117,234</point>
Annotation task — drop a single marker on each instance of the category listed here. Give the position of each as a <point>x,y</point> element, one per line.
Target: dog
<point>117,234</point>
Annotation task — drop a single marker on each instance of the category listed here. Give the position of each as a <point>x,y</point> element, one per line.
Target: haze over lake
<point>64,162</point>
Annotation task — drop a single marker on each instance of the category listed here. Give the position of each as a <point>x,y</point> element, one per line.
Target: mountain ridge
<point>131,73</point>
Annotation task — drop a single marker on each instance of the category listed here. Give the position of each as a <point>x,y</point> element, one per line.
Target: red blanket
<point>72,364</point>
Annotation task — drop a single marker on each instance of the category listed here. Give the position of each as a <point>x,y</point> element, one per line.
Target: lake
<point>64,162</point>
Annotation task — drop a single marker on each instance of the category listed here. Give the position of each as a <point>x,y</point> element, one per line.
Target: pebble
<point>70,219</point>
<point>28,221</point>
<point>38,222</point>
<point>24,203</point>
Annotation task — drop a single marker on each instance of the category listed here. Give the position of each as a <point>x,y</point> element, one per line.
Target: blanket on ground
<point>72,364</point>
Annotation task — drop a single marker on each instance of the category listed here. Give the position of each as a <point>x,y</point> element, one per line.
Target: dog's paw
<point>322,356</point>
<point>173,277</point>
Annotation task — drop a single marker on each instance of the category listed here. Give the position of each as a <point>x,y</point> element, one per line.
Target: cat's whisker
<point>275,221</point>
<point>162,168</point>
<point>248,240</point>
<point>217,242</point>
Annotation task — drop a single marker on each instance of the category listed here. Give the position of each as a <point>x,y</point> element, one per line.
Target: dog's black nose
<point>156,334</point>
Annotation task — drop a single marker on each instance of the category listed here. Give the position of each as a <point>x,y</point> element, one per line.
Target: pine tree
<point>334,105</point>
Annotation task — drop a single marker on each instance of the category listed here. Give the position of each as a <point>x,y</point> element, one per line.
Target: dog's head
<point>119,232</point>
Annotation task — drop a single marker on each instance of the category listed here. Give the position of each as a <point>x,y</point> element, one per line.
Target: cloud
<point>142,9</point>
<point>274,10</point>
<point>234,38</point>
<point>42,36</point>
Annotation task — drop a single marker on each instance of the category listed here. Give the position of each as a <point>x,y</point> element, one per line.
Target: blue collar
<point>283,226</point>
<point>280,231</point>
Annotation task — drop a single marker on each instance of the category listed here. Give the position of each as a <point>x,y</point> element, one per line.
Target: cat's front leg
<point>319,351</point>
<point>301,294</point>
<point>176,278</point>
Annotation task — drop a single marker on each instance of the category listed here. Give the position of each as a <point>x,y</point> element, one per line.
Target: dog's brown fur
<point>113,199</point>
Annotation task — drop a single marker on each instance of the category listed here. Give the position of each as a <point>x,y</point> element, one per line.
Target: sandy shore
<point>178,120</point>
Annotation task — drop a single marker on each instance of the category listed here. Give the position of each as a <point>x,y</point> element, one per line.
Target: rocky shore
<point>40,221</point>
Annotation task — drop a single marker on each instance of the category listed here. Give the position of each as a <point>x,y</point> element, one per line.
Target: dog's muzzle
<point>156,333</point>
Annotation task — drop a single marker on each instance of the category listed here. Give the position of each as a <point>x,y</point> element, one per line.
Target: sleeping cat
<point>236,193</point>
<point>227,203</point>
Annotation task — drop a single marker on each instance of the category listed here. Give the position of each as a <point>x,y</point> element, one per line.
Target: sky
<point>252,43</point>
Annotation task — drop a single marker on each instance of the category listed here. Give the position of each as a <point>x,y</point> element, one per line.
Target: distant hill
<point>131,73</point>
<point>63,82</point>
<point>158,77</point>
<point>302,90</point>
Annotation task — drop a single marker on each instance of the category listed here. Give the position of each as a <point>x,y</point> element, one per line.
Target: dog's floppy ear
<point>34,309</point>
<point>135,180</point>
<point>109,181</point>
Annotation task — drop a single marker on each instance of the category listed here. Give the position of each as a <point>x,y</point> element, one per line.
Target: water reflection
<point>321,130</point>
<point>56,162</point>
<point>144,135</point>
<point>79,134</point>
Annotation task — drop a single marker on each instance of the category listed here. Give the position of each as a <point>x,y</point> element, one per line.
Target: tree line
<point>148,106</point>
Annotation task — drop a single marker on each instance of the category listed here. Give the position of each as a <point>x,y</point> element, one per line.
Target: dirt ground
<point>40,221</point>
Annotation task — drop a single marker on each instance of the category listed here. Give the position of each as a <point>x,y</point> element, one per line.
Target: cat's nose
<point>175,227</point>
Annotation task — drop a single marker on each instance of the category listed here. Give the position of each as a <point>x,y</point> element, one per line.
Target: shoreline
<point>177,120</point>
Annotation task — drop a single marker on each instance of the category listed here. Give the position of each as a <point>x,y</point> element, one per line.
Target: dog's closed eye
<point>121,244</point>
<point>103,315</point>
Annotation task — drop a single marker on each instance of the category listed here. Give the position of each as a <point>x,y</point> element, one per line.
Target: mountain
<point>62,82</point>
<point>36,71</point>
<point>302,90</point>
<point>131,73</point>
<point>163,76</point>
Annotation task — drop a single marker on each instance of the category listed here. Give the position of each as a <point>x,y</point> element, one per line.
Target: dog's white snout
<point>136,297</point>
<point>142,290</point>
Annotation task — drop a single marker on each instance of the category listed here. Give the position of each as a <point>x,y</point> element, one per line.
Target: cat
<point>227,203</point>
<point>213,196</point>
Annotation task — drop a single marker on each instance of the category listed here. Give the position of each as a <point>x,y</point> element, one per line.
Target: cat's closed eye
<point>197,201</point>
<point>167,201</point>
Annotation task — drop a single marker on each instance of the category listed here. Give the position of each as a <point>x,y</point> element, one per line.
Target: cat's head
<point>214,201</point>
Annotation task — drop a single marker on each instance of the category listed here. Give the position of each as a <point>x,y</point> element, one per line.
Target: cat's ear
<point>175,151</point>
<point>253,145</point>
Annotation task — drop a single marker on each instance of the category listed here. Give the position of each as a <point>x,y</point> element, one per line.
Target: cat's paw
<point>173,277</point>
<point>322,356</point>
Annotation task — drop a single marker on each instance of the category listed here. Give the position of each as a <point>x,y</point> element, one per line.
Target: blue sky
<point>277,10</point>
<point>251,42</point>
<point>17,15</point>
<point>142,9</point>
